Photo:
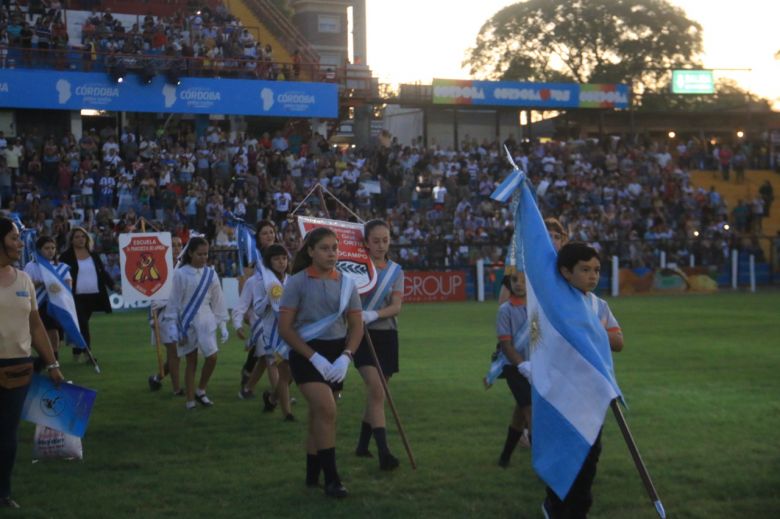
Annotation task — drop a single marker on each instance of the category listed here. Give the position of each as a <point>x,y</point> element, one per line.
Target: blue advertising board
<point>63,90</point>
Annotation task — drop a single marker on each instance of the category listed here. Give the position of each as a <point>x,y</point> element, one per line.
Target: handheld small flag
<point>59,301</point>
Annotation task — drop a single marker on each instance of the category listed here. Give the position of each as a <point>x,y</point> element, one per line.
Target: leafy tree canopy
<point>586,41</point>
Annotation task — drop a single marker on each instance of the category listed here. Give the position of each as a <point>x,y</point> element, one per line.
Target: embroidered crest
<point>535,331</point>
<point>276,291</point>
<point>54,288</point>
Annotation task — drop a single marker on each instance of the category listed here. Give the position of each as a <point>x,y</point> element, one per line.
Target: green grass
<point>700,374</point>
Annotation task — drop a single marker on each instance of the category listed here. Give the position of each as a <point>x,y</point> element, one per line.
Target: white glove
<point>369,316</point>
<point>525,369</point>
<point>223,332</point>
<point>338,371</point>
<point>321,364</point>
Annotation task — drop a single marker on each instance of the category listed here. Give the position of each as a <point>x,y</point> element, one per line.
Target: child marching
<point>512,364</point>
<point>266,309</point>
<point>198,307</point>
<point>580,266</point>
<point>46,249</point>
<point>265,235</point>
<point>320,318</point>
<point>381,307</point>
<point>168,335</point>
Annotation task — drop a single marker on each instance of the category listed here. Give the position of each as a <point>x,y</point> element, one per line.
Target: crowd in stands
<point>629,200</point>
<point>204,42</point>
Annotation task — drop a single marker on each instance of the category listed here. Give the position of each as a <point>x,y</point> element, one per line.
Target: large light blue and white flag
<point>573,380</point>
<point>59,301</point>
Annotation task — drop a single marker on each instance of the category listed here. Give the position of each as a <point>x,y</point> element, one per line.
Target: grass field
<point>700,374</point>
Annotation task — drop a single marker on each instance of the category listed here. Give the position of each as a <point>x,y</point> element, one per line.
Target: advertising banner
<point>63,90</point>
<point>530,95</point>
<point>686,279</point>
<point>64,408</point>
<point>425,286</point>
<point>353,258</point>
<point>146,265</point>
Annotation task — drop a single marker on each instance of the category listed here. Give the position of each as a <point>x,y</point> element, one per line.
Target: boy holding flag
<point>573,380</point>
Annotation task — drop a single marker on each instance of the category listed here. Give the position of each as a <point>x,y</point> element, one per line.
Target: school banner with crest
<point>146,264</point>
<point>353,257</point>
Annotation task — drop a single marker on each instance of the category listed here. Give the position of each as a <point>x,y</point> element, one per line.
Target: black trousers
<point>85,305</point>
<point>11,402</point>
<point>579,499</point>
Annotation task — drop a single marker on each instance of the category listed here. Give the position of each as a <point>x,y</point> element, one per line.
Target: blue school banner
<point>62,90</point>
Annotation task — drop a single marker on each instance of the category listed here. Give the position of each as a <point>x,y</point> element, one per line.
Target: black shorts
<point>386,346</point>
<point>518,385</point>
<point>49,323</point>
<point>304,371</point>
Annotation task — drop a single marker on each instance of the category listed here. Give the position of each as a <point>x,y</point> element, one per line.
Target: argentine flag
<point>573,380</point>
<point>60,305</point>
<point>247,247</point>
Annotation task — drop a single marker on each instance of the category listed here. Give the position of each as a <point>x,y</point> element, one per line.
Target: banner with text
<point>146,265</point>
<point>428,286</point>
<point>353,259</point>
<point>530,95</point>
<point>79,90</point>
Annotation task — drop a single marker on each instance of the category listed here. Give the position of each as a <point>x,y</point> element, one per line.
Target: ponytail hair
<point>192,245</point>
<point>373,224</point>
<point>303,259</point>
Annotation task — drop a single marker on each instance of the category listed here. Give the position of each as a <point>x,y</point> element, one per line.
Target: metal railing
<point>85,60</point>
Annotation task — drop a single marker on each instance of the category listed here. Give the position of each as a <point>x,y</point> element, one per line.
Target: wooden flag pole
<point>374,356</point>
<point>156,328</point>
<point>640,465</point>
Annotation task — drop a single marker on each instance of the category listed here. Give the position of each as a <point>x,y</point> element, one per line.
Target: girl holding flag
<point>320,318</point>
<point>198,306</point>
<point>46,248</point>
<point>381,307</point>
<point>168,335</point>
<point>265,236</point>
<point>266,307</point>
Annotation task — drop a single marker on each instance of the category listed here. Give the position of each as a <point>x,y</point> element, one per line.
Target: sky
<point>413,41</point>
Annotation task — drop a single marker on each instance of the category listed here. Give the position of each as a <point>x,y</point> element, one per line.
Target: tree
<point>596,41</point>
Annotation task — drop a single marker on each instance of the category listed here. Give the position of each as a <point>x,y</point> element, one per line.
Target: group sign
<point>146,263</point>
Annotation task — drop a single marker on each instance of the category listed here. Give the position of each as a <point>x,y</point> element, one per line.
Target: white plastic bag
<point>52,444</point>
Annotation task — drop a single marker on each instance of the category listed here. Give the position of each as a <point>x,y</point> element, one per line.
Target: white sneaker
<point>524,441</point>
<point>190,405</point>
<point>203,400</point>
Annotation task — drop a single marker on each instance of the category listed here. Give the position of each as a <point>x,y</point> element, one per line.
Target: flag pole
<point>640,465</point>
<point>374,356</point>
<point>155,326</point>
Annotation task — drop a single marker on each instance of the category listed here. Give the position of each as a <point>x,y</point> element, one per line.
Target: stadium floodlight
<point>173,74</point>
<point>696,233</point>
<point>117,71</point>
<point>147,73</point>
<point>740,134</point>
<point>672,134</point>
<point>726,227</point>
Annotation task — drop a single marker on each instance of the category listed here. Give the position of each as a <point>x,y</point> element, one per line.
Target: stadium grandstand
<point>639,199</point>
